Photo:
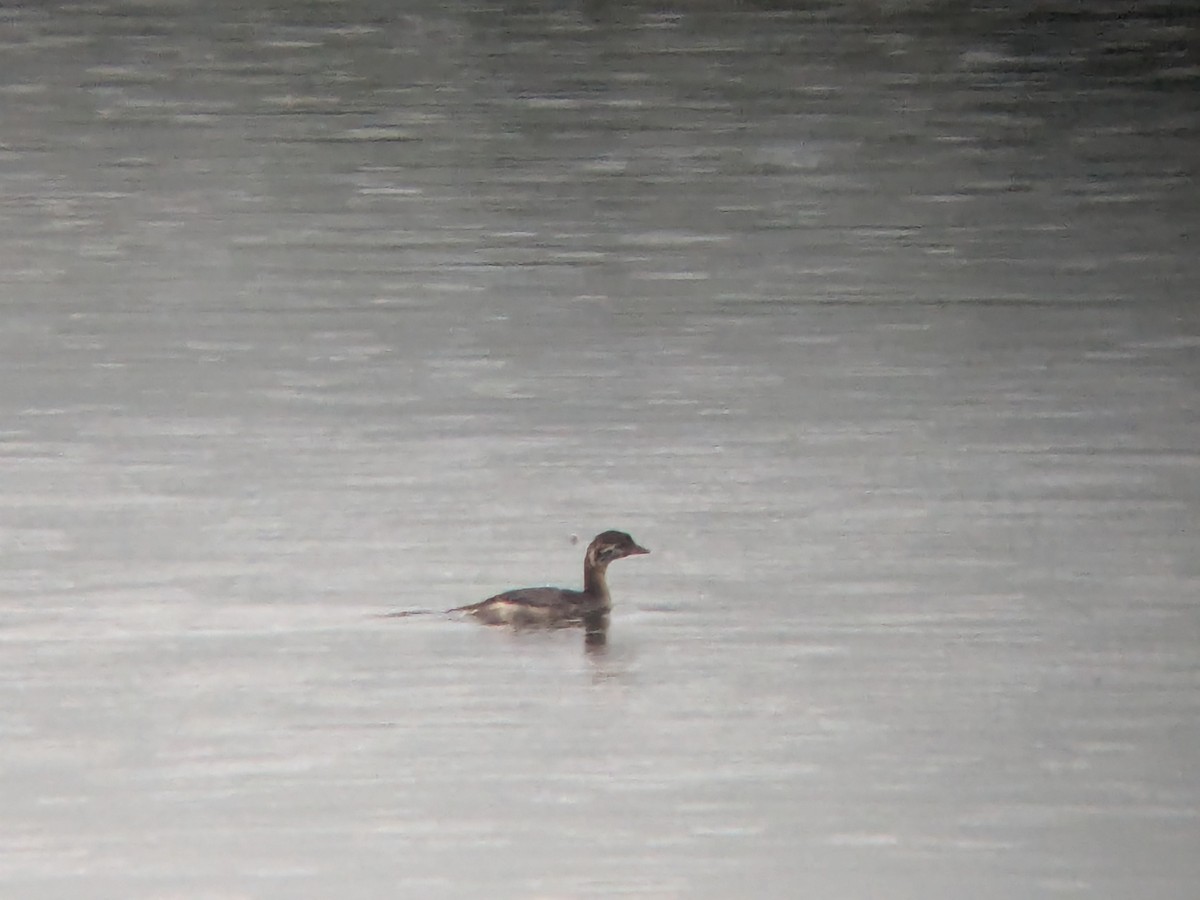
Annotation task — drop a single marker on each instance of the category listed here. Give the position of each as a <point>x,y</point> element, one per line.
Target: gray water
<point>877,323</point>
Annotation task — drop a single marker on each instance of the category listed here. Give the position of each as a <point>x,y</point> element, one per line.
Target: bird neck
<point>593,580</point>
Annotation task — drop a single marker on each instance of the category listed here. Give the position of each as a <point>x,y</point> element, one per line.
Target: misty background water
<point>876,322</point>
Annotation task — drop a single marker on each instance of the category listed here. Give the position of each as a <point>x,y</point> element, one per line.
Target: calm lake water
<point>876,322</point>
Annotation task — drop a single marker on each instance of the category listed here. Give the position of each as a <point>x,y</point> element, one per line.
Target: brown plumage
<point>551,607</point>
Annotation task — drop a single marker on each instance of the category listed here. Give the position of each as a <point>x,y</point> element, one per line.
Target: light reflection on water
<point>876,329</point>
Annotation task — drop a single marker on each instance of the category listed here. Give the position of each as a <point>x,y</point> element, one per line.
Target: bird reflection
<point>595,635</point>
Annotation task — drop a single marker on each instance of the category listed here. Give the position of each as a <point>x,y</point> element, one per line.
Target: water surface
<point>876,324</point>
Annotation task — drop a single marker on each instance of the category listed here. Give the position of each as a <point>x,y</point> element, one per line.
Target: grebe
<point>551,607</point>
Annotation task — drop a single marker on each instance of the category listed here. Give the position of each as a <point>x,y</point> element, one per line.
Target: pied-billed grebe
<point>551,607</point>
